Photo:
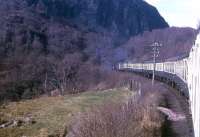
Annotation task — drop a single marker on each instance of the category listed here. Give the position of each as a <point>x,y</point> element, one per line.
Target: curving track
<point>184,73</point>
<point>172,100</point>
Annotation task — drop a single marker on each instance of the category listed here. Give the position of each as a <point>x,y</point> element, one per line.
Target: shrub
<point>131,119</point>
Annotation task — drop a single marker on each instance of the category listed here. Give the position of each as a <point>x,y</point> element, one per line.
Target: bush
<point>20,90</point>
<point>130,119</point>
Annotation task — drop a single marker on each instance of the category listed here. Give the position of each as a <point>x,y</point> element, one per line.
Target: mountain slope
<point>64,44</point>
<point>176,42</point>
<point>126,18</point>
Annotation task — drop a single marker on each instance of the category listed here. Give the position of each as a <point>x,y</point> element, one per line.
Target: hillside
<point>176,42</point>
<point>48,25</point>
<point>126,18</point>
<point>66,45</point>
<point>72,46</point>
<point>51,115</point>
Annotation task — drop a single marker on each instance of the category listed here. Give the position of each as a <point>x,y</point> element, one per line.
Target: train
<point>179,67</point>
<point>187,69</point>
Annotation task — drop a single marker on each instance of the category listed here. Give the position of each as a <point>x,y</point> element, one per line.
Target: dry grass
<point>131,119</point>
<point>53,113</point>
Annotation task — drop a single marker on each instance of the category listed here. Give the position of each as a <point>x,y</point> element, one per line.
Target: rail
<point>187,69</point>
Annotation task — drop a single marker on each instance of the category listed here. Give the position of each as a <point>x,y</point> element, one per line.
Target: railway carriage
<point>188,70</point>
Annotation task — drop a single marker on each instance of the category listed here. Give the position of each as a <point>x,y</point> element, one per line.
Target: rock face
<point>126,18</point>
<point>67,26</point>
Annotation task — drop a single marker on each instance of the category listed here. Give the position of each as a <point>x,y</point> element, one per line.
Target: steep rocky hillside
<point>127,18</point>
<point>70,45</point>
<point>43,24</point>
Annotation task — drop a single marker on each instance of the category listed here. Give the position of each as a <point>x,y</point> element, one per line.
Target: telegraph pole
<point>155,47</point>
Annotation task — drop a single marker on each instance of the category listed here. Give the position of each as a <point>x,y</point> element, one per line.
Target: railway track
<point>184,74</point>
<point>176,102</point>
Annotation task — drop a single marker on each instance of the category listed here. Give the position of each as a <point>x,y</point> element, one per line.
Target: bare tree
<point>64,73</point>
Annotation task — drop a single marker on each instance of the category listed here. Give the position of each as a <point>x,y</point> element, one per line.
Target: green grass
<point>53,114</point>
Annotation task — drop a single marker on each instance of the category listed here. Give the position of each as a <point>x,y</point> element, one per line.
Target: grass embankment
<point>53,114</point>
<point>138,117</point>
